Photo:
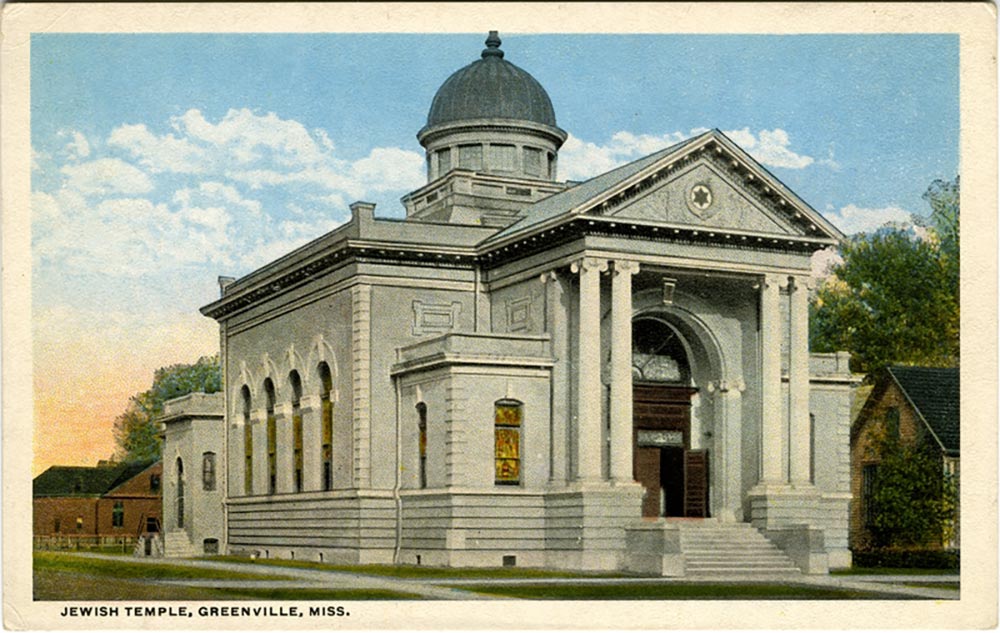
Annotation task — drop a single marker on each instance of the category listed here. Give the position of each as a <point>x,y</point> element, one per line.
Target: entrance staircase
<point>177,544</point>
<point>713,549</point>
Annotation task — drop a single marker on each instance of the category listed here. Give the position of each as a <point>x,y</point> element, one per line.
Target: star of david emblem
<point>701,197</point>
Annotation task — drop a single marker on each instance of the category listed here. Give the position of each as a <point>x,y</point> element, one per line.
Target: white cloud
<point>78,147</point>
<point>165,153</point>
<point>770,147</point>
<point>266,151</point>
<point>389,168</point>
<point>106,176</point>
<point>580,159</point>
<point>853,219</point>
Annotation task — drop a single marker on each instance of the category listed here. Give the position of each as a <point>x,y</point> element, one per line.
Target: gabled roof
<point>571,198</point>
<point>76,481</point>
<point>934,394</point>
<point>591,193</point>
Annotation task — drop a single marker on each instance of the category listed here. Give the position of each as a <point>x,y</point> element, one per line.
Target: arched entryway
<point>675,476</point>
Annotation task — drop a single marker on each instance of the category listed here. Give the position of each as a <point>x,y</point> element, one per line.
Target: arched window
<point>247,443</point>
<point>118,514</point>
<point>422,430</point>
<point>180,493</point>
<point>272,438</point>
<point>326,387</point>
<point>507,441</point>
<point>208,471</point>
<point>658,355</point>
<point>296,384</point>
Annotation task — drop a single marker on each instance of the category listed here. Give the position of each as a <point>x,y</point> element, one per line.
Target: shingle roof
<point>564,201</point>
<point>66,481</point>
<point>934,393</point>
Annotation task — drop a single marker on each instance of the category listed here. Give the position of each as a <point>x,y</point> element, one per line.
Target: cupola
<point>492,117</point>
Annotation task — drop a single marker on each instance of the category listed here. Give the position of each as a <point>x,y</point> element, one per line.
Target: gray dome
<point>491,88</point>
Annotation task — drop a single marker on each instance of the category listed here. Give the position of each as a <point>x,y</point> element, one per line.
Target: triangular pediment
<point>705,182</point>
<point>701,195</point>
<point>712,183</point>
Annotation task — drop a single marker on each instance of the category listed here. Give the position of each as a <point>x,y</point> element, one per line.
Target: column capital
<point>589,264</point>
<point>774,280</point>
<point>626,267</point>
<point>803,282</point>
<point>546,277</point>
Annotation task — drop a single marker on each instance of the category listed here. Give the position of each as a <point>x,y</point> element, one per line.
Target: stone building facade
<point>193,486</point>
<point>523,370</point>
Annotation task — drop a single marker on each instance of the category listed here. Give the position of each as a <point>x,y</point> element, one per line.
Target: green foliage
<point>913,500</point>
<point>895,297</point>
<point>905,561</point>
<point>136,429</point>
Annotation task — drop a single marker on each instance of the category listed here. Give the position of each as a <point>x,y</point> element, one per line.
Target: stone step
<point>731,550</point>
<point>743,563</point>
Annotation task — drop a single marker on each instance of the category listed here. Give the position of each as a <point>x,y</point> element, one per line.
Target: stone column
<point>588,368</point>
<point>557,327</point>
<point>798,383</point>
<point>311,407</point>
<point>621,370</point>
<point>773,469</point>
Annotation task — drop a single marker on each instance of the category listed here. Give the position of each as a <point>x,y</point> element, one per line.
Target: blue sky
<point>162,161</point>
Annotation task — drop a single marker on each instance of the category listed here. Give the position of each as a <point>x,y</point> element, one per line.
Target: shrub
<point>914,558</point>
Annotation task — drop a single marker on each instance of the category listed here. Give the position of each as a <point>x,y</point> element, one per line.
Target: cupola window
<point>503,158</point>
<point>470,157</point>
<point>532,161</point>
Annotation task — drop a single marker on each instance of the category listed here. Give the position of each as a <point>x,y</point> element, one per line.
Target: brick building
<point>94,505</point>
<point>921,405</point>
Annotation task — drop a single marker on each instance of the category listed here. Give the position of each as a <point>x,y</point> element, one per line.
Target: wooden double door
<point>674,476</point>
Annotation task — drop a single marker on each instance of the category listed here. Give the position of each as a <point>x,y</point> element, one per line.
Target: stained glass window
<point>507,442</point>
<point>247,444</point>
<point>326,380</point>
<point>296,383</point>
<point>272,438</point>
<point>422,429</point>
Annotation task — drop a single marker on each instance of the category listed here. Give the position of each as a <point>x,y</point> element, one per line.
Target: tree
<point>895,297</point>
<point>137,428</point>
<point>913,501</point>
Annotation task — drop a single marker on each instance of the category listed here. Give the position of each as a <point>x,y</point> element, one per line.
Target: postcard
<point>384,316</point>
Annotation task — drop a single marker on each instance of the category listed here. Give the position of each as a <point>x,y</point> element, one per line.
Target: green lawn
<point>61,585</point>
<point>413,571</point>
<point>72,563</point>
<point>673,591</point>
<point>893,571</point>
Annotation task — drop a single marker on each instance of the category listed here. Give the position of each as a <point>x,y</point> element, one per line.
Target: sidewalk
<point>441,588</point>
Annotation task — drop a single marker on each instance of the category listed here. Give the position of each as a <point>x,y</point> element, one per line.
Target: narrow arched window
<point>507,441</point>
<point>296,384</point>
<point>180,493</point>
<point>422,441</point>
<point>247,443</point>
<point>326,387</point>
<point>208,471</point>
<point>272,438</point>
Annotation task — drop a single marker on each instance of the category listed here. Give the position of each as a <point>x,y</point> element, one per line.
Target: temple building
<point>530,372</point>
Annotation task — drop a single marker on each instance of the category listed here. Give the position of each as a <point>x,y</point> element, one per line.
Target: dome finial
<point>493,46</point>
